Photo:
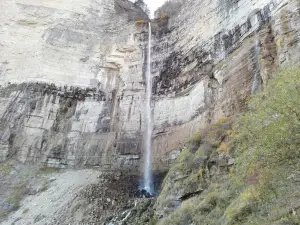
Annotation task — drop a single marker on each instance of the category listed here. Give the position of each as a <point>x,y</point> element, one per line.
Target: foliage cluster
<point>140,22</point>
<point>268,137</point>
<point>5,168</point>
<point>143,6</point>
<point>168,9</point>
<point>262,186</point>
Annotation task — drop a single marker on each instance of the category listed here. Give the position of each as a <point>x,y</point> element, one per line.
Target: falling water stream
<point>148,182</point>
<point>256,79</point>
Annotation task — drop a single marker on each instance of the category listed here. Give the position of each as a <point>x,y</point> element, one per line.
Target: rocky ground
<point>30,195</point>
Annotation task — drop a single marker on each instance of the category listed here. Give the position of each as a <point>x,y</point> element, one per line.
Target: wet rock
<point>143,194</point>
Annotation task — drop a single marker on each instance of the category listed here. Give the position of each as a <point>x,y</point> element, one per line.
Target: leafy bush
<point>17,195</point>
<point>5,168</point>
<point>48,170</point>
<point>196,138</point>
<point>264,185</point>
<point>143,6</point>
<point>181,216</point>
<point>266,146</point>
<point>164,16</point>
<point>140,22</point>
<point>269,135</point>
<point>223,147</point>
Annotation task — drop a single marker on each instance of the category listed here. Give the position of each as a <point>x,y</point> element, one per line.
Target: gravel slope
<point>40,209</point>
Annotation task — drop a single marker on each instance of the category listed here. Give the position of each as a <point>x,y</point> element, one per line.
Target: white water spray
<point>148,182</point>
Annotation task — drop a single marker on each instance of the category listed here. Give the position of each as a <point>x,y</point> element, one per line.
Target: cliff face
<point>72,82</point>
<point>72,75</point>
<point>212,56</point>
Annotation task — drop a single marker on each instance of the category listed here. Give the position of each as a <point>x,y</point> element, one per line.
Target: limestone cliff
<point>73,83</point>
<point>214,54</point>
<point>72,76</point>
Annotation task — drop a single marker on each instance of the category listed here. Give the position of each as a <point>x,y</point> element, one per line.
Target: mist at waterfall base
<point>146,186</point>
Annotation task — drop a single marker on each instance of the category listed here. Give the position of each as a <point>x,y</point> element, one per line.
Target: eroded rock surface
<point>73,82</point>
<point>211,57</point>
<point>72,76</point>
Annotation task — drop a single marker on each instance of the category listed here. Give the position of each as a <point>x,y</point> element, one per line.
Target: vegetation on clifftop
<point>169,8</point>
<point>242,171</point>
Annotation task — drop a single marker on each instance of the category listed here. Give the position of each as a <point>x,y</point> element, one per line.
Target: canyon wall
<point>211,57</point>
<point>73,83</point>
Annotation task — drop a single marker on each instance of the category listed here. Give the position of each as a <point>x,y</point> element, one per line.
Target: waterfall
<point>256,77</point>
<point>148,182</point>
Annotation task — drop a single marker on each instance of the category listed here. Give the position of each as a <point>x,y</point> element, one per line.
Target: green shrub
<point>48,170</point>
<point>153,221</point>
<point>17,195</point>
<point>180,216</point>
<point>269,135</point>
<point>217,132</point>
<point>266,145</point>
<point>5,168</point>
<point>140,22</point>
<point>263,187</point>
<point>196,138</point>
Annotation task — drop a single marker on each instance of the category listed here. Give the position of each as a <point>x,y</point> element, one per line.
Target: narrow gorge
<point>102,108</point>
